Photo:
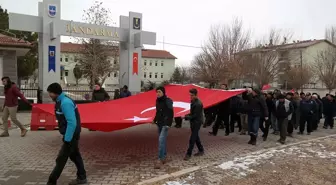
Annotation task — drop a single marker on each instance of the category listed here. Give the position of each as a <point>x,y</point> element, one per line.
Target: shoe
<point>290,135</point>
<point>240,130</point>
<point>158,164</point>
<point>331,127</point>
<point>281,141</point>
<point>325,127</point>
<point>254,140</point>
<point>198,154</point>
<point>226,134</point>
<point>24,132</point>
<point>4,134</point>
<point>250,141</point>
<point>166,160</point>
<point>264,138</point>
<point>300,133</point>
<point>308,133</point>
<point>243,133</point>
<point>49,183</point>
<point>212,134</point>
<point>187,157</point>
<point>78,181</point>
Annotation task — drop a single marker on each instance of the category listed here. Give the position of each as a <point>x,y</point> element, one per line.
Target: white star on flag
<point>136,119</point>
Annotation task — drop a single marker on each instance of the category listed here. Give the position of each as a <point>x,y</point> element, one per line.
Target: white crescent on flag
<point>178,104</point>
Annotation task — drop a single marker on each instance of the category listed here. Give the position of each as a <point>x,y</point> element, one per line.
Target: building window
<point>150,63</point>
<point>115,74</point>
<point>155,75</point>
<point>61,59</point>
<point>145,62</point>
<point>66,72</point>
<point>109,75</point>
<point>161,75</point>
<point>150,75</point>
<point>161,63</point>
<point>156,63</point>
<point>145,74</point>
<point>66,59</point>
<point>115,61</point>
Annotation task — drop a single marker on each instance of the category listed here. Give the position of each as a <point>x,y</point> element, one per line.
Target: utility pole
<point>163,43</point>
<point>301,69</point>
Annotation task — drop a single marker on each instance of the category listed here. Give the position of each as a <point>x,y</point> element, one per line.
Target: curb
<point>193,169</point>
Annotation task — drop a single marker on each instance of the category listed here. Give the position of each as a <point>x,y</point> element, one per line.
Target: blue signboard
<point>52,59</point>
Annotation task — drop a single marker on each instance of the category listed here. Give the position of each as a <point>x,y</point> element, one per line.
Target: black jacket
<point>196,114</point>
<point>224,107</point>
<point>270,106</point>
<point>164,111</point>
<point>308,107</point>
<point>256,106</point>
<point>329,108</point>
<point>236,104</point>
<point>100,95</point>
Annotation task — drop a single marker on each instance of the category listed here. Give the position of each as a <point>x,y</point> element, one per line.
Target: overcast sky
<point>187,22</point>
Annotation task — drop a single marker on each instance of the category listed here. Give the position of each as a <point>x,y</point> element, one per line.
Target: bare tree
<point>330,34</point>
<point>325,68</point>
<point>296,77</point>
<point>95,58</point>
<point>212,64</point>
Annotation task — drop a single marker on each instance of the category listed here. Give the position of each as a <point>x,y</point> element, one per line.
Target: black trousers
<point>71,151</point>
<point>306,119</point>
<point>220,119</point>
<point>329,121</point>
<point>178,122</point>
<point>235,118</point>
<point>290,127</point>
<point>264,128</point>
<point>210,117</point>
<point>194,138</point>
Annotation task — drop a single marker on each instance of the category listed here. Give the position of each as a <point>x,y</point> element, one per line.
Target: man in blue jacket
<point>69,125</point>
<point>307,110</point>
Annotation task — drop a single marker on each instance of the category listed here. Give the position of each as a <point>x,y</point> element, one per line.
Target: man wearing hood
<point>124,93</point>
<point>99,94</point>
<point>10,106</point>
<point>69,124</point>
<point>163,119</point>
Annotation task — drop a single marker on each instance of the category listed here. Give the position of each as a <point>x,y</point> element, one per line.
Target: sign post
<point>50,27</point>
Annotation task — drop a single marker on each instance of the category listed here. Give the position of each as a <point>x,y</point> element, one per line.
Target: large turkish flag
<point>139,109</point>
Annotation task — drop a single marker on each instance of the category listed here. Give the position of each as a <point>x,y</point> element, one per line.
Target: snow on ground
<point>240,167</point>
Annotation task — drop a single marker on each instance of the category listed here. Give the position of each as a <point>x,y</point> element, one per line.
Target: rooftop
<point>295,45</point>
<point>13,42</point>
<point>146,53</point>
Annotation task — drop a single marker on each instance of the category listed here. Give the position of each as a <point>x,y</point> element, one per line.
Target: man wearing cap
<point>196,120</point>
<point>69,125</point>
<point>163,119</point>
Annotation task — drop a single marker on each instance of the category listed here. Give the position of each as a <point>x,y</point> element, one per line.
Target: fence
<point>84,94</point>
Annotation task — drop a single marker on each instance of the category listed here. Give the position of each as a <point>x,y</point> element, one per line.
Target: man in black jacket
<point>196,120</point>
<point>308,108</point>
<point>329,111</point>
<point>99,94</point>
<point>163,118</point>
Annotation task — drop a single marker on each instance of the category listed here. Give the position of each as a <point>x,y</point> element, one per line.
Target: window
<point>161,75</point>
<point>145,74</point>
<point>115,74</point>
<point>156,63</point>
<point>109,75</point>
<point>161,63</point>
<point>156,75</point>
<point>145,62</point>
<point>115,61</point>
<point>66,72</point>
<point>66,59</point>
<point>150,63</point>
<point>61,59</point>
<point>150,75</point>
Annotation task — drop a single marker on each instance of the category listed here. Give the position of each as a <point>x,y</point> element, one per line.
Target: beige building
<point>156,66</point>
<point>296,53</point>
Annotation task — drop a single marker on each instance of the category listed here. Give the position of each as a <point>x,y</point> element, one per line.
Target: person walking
<point>10,106</point>
<point>307,111</point>
<point>243,113</point>
<point>163,119</point>
<point>256,109</point>
<point>196,120</point>
<point>69,124</point>
<point>283,113</point>
<point>329,111</point>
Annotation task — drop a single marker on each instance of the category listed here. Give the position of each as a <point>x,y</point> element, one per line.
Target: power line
<point>180,45</point>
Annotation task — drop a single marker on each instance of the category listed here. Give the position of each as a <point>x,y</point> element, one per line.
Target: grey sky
<point>187,22</point>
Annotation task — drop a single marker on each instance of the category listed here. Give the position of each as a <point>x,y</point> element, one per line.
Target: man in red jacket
<point>9,108</point>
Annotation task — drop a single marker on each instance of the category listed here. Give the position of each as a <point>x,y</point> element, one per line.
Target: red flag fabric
<point>135,64</point>
<point>292,91</point>
<point>139,109</point>
<point>265,87</point>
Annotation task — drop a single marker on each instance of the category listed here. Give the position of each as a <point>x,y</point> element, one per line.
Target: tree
<point>176,77</point>
<point>330,34</point>
<point>77,73</point>
<point>95,55</point>
<point>26,65</point>
<point>296,77</point>
<point>212,64</point>
<point>325,68</point>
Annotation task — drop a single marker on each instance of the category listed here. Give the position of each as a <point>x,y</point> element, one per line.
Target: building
<point>296,54</point>
<point>156,66</point>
